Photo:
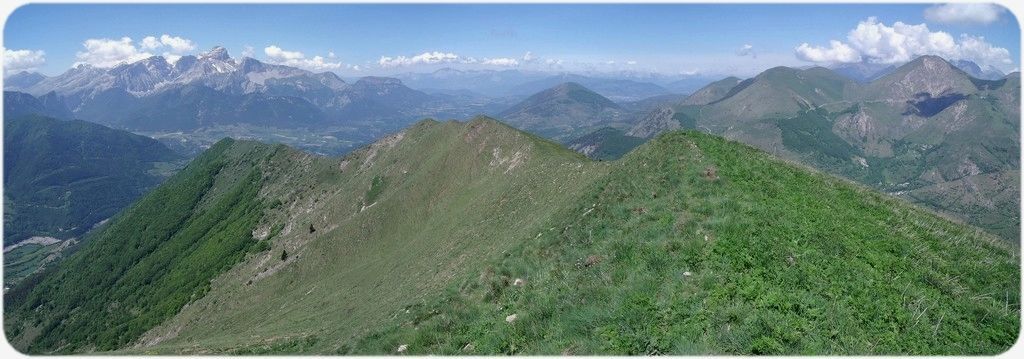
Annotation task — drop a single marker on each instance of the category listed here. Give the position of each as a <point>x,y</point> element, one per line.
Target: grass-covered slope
<point>927,132</point>
<point>363,235</point>
<point>697,245</point>
<point>478,238</point>
<point>605,144</point>
<point>63,177</point>
<point>155,257</point>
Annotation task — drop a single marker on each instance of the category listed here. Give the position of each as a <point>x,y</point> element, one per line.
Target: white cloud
<point>529,57</point>
<point>171,58</point>
<point>248,51</point>
<point>838,52</point>
<point>876,42</point>
<point>435,57</point>
<point>746,50</point>
<point>277,55</point>
<point>964,13</point>
<point>631,62</point>
<point>111,52</point>
<point>501,61</point>
<point>177,44</point>
<point>975,47</point>
<point>108,52</point>
<point>150,43</point>
<point>23,60</point>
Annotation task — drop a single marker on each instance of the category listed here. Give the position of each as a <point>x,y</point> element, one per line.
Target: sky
<point>381,39</point>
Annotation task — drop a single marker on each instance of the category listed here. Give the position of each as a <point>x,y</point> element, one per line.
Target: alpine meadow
<point>579,179</point>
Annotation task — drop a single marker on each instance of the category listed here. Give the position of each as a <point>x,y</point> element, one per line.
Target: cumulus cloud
<point>631,62</point>
<point>277,55</point>
<point>110,52</point>
<point>23,60</point>
<point>150,43</point>
<point>501,61</point>
<point>248,51</point>
<point>838,52</point>
<point>877,42</point>
<point>435,57</point>
<point>746,50</point>
<point>964,13</point>
<point>175,44</point>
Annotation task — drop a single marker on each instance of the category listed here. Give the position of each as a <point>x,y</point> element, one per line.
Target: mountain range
<point>217,89</point>
<point>516,84</point>
<point>926,131</point>
<point>477,238</point>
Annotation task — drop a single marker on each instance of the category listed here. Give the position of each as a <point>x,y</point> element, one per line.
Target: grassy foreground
<point>694,244</point>
<point>476,238</point>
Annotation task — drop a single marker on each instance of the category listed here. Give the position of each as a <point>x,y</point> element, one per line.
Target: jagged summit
<point>218,53</point>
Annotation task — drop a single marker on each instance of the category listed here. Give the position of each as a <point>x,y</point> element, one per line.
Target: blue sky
<point>386,39</point>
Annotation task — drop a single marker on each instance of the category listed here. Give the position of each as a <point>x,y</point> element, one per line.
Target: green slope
<point>921,132</point>
<point>690,244</point>
<point>605,144</point>
<point>760,257</point>
<point>448,196</point>
<point>153,258</point>
<point>64,178</point>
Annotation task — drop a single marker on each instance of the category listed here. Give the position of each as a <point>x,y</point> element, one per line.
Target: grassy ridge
<point>694,244</point>
<point>391,224</point>
<point>454,238</point>
<point>153,259</point>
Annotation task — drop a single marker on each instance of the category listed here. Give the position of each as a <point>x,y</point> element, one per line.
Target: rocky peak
<point>249,64</point>
<point>927,74</point>
<point>216,53</point>
<point>184,63</point>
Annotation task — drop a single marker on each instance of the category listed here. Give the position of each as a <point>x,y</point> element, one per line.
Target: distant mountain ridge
<point>17,104</point>
<point>229,91</point>
<point>614,89</point>
<point>927,131</point>
<point>520,83</point>
<point>564,110</point>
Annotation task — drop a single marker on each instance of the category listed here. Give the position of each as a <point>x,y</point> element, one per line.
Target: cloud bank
<point>112,52</point>
<point>435,57</point>
<point>877,42</point>
<point>23,60</point>
<point>277,55</point>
